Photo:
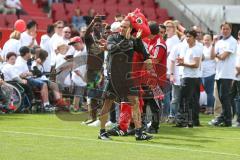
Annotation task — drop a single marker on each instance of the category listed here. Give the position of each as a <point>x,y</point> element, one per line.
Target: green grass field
<point>46,137</point>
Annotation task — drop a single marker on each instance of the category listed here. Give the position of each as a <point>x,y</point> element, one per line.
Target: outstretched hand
<point>139,34</point>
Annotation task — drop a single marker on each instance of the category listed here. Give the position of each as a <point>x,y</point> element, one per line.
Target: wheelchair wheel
<point>13,94</point>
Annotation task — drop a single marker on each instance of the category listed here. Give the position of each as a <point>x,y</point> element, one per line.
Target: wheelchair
<point>19,97</point>
<point>11,95</point>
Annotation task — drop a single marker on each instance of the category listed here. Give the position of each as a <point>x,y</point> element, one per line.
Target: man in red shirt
<point>156,67</point>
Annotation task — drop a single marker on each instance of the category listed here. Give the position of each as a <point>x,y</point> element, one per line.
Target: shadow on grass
<point>198,139</point>
<point>182,145</point>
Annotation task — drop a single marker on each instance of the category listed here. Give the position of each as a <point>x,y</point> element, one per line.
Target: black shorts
<point>120,91</point>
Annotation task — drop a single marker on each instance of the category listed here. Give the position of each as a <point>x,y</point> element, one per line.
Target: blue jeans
<point>208,83</point>
<point>175,102</point>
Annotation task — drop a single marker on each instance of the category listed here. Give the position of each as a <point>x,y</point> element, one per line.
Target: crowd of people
<point>101,63</point>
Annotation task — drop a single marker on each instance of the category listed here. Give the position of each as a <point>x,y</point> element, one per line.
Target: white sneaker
<point>94,124</point>
<point>110,125</point>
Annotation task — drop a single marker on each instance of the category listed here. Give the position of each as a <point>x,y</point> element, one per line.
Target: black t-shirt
<point>120,60</point>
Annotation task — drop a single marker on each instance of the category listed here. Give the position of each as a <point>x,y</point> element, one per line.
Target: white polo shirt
<point>175,52</point>
<point>82,69</point>
<point>9,71</point>
<point>12,45</point>
<point>26,39</point>
<point>45,44</point>
<point>225,69</point>
<point>208,64</point>
<point>55,39</point>
<point>189,54</point>
<point>21,65</point>
<point>171,42</point>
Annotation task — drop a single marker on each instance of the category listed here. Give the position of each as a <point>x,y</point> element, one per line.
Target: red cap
<point>76,39</point>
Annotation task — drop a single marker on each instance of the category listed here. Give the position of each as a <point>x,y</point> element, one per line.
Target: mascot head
<point>139,22</point>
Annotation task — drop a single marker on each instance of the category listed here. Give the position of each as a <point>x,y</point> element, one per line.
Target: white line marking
<point>70,129</point>
<point>128,143</point>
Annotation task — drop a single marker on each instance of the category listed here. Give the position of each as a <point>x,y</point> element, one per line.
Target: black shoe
<point>49,108</point>
<point>104,136</point>
<point>152,130</point>
<point>143,137</point>
<point>189,125</point>
<point>216,122</point>
<point>116,131</point>
<point>226,124</point>
<point>181,125</point>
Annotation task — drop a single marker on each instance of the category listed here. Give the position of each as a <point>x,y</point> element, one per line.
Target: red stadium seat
<point>124,9</point>
<point>3,22</point>
<point>98,2</point>
<point>57,8</point>
<point>70,9</point>
<point>149,3</point>
<point>10,20</point>
<point>111,2</point>
<point>84,8</point>
<point>85,2</point>
<point>100,8</point>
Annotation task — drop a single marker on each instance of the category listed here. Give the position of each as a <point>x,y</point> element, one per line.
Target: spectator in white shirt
<point>28,37</point>
<point>12,45</point>
<point>62,65</point>
<point>57,36</point>
<point>171,41</point>
<point>79,73</point>
<point>45,44</point>
<point>208,72</point>
<point>14,6</point>
<point>23,72</point>
<point>37,66</point>
<point>224,51</point>
<point>191,61</point>
<point>175,80</point>
<point>66,35</point>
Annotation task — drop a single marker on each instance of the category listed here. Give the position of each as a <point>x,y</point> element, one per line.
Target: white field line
<point>70,129</point>
<point>128,143</point>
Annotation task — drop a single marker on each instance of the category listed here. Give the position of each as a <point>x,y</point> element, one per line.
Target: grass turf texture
<point>46,137</point>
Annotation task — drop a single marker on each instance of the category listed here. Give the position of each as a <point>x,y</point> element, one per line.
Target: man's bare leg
<point>139,135</point>
<point>103,119</point>
<point>105,111</point>
<point>136,114</point>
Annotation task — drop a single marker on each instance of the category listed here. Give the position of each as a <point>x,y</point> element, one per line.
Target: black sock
<point>102,131</point>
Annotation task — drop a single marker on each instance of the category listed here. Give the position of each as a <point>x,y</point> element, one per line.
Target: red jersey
<point>158,53</point>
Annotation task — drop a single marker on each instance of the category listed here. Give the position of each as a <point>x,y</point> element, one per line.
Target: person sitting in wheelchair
<point>23,72</point>
<point>10,75</point>
<point>38,70</point>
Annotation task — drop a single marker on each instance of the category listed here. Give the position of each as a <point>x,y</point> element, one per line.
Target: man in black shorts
<point>121,47</point>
